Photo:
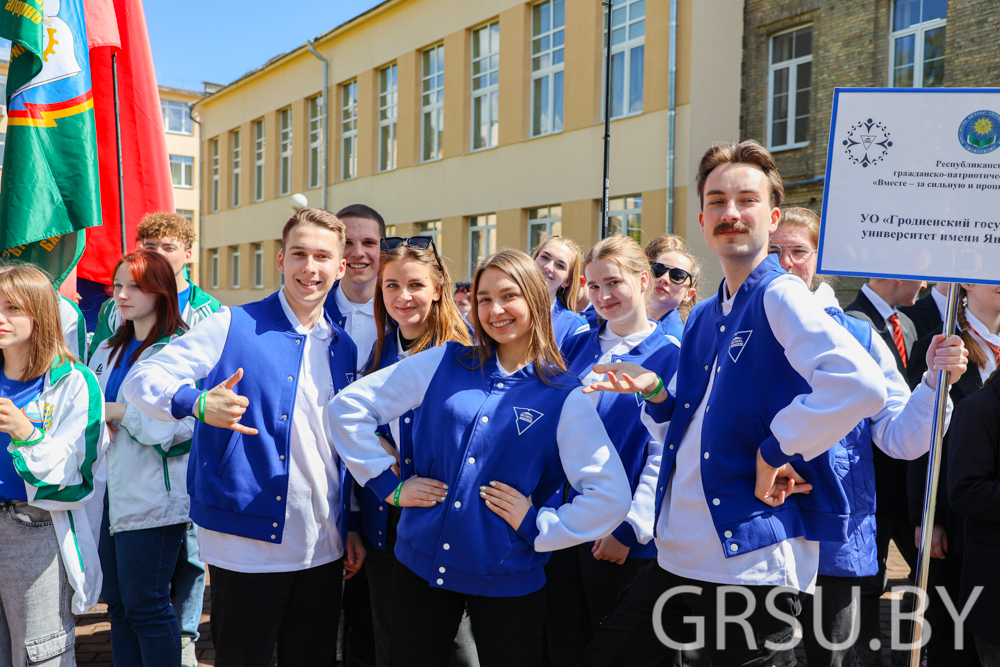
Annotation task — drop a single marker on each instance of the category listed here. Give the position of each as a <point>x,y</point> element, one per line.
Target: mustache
<point>738,226</point>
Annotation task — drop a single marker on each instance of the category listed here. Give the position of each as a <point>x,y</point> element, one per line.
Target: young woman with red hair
<point>146,509</point>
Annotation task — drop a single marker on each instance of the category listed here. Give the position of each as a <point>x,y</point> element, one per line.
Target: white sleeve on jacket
<point>151,384</point>
<point>847,384</point>
<point>594,469</point>
<point>903,428</point>
<point>356,411</point>
<point>642,514</point>
<point>147,430</point>
<point>70,326</point>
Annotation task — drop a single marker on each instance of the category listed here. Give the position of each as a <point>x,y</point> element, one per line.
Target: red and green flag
<point>50,190</point>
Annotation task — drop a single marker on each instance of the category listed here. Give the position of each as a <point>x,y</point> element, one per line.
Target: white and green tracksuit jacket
<point>147,460</point>
<point>63,473</point>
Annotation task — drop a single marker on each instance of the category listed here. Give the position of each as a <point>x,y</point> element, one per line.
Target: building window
<point>390,230</point>
<point>482,239</point>
<point>543,223</point>
<point>485,86</point>
<point>237,163</point>
<point>789,87</point>
<point>258,160</point>
<point>258,266</point>
<point>431,229</point>
<point>188,215</point>
<point>349,130</point>
<point>182,171</point>
<point>432,102</point>
<point>628,38</point>
<point>3,144</point>
<point>214,268</point>
<point>625,216</point>
<point>215,174</point>
<point>234,267</point>
<point>176,117</point>
<point>315,141</point>
<point>285,146</point>
<point>387,104</point>
<point>917,43</point>
<point>547,21</point>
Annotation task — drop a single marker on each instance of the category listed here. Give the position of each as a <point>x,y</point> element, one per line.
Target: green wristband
<point>201,407</point>
<point>395,497</point>
<point>659,386</point>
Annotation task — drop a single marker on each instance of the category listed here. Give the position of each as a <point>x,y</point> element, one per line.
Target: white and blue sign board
<point>913,185</point>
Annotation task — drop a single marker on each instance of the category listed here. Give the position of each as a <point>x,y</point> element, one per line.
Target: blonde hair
<point>316,217</point>
<point>671,243</point>
<point>542,349</point>
<point>798,217</point>
<point>623,251</point>
<point>662,244</point>
<point>567,295</point>
<point>444,323</point>
<point>30,289</point>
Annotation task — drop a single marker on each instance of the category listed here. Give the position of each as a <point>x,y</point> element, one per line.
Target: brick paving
<point>93,630</point>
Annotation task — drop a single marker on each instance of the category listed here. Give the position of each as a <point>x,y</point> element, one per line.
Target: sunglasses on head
<point>676,276</point>
<point>419,242</point>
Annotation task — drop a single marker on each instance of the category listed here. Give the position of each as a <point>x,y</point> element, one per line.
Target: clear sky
<point>221,40</point>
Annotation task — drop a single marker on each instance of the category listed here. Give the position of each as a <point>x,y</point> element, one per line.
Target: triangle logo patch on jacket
<point>525,417</point>
<point>739,342</point>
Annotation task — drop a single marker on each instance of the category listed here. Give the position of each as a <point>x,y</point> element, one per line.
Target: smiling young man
<point>765,379</point>
<point>267,491</point>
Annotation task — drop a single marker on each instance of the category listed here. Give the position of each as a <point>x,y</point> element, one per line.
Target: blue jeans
<point>189,585</point>
<point>138,565</point>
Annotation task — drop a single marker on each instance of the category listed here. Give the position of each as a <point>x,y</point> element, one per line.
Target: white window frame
<point>388,110</point>
<point>792,65</point>
<point>316,117</point>
<point>258,266</point>
<point>285,151</point>
<point>431,228</point>
<point>349,130</point>
<point>552,217</point>
<point>237,152</point>
<point>485,223</point>
<point>186,164</point>
<point>215,175</point>
<point>625,47</point>
<point>213,263</point>
<point>432,102</point>
<point>624,211</point>
<point>554,71</point>
<point>234,267</point>
<point>187,213</point>
<point>490,90</point>
<point>258,160</point>
<point>187,125</point>
<point>919,31</point>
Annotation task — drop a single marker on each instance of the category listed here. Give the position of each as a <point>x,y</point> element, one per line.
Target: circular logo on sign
<point>867,142</point>
<point>979,132</point>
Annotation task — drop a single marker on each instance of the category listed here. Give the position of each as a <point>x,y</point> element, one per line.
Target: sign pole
<point>607,122</point>
<point>121,171</point>
<point>930,489</point>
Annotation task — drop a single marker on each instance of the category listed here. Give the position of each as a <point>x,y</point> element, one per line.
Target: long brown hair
<point>444,323</point>
<point>30,289</point>
<point>153,274</point>
<point>976,354</point>
<point>543,350</point>
<point>566,295</point>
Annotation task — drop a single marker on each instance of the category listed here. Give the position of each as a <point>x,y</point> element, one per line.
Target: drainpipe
<point>671,113</point>
<point>201,223</point>
<point>326,118</point>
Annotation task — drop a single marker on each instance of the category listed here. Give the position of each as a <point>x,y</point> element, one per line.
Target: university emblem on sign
<point>525,417</point>
<point>738,343</point>
<point>867,143</point>
<point>979,132</point>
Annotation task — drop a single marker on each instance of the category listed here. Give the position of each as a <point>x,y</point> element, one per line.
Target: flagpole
<point>607,124</point>
<point>118,137</point>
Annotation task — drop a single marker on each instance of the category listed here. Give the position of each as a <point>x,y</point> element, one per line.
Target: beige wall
<point>186,198</point>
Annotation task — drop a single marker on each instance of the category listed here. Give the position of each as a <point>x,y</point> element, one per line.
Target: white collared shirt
<point>612,344</point>
<point>941,300</point>
<point>981,334</point>
<point>883,308</point>
<point>359,323</point>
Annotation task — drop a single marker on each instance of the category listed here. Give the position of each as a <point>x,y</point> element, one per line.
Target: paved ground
<point>93,631</point>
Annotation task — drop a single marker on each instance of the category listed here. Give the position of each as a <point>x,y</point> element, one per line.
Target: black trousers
<point>627,636</point>
<point>835,608</point>
<point>298,611</point>
<point>425,620</point>
<point>579,592</point>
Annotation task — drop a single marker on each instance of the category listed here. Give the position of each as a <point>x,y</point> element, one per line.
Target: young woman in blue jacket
<point>675,289</point>
<point>560,260</point>
<point>496,429</point>
<point>584,581</point>
<point>414,310</point>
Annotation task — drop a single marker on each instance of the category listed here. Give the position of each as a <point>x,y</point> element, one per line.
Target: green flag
<point>50,191</point>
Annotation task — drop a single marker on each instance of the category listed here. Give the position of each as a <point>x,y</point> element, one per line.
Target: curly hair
<point>163,224</point>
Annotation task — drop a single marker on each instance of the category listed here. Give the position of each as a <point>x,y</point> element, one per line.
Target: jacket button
<point>289,378</point>
<point>446,546</point>
<point>706,455</point>
<point>298,342</point>
<point>380,544</point>
<point>458,504</point>
<point>734,547</point>
<point>706,368</point>
<point>380,532</point>
<point>440,582</point>
<point>379,508</point>
<point>441,570</point>
<point>406,420</point>
<point>273,537</point>
<point>728,533</point>
<point>719,369</point>
<point>278,498</point>
<point>687,405</point>
<point>716,501</point>
<point>472,460</point>
<point>284,417</point>
<point>499,385</point>
<point>406,460</point>
<point>484,419</point>
<point>671,446</point>
<point>281,457</point>
<point>275,524</point>
<point>722,328</point>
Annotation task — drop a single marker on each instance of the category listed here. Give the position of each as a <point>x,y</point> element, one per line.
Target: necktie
<point>994,348</point>
<point>897,337</point>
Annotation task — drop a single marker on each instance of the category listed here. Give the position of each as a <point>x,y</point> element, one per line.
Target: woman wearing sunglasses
<point>585,581</point>
<point>675,289</point>
<point>414,311</point>
<point>560,261</point>
<point>497,427</point>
